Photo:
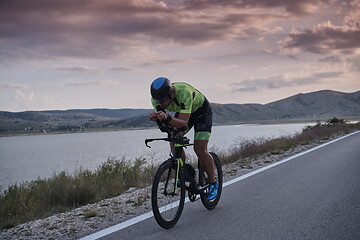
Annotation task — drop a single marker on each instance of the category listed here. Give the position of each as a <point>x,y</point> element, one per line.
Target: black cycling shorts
<point>201,120</point>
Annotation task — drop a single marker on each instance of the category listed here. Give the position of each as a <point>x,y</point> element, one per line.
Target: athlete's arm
<point>179,122</point>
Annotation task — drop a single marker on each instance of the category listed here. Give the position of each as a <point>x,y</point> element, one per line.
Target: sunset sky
<point>76,54</point>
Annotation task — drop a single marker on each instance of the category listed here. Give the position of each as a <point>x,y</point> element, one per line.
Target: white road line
<point>145,216</point>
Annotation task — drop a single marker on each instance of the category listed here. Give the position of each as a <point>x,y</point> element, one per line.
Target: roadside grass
<point>62,192</point>
<point>44,197</point>
<point>245,149</point>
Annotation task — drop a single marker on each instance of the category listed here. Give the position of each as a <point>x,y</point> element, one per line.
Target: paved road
<point>315,196</point>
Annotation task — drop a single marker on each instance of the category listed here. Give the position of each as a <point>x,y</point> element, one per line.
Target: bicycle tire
<point>167,206</point>
<point>211,204</point>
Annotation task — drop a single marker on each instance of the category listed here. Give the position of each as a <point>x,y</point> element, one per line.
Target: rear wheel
<point>168,195</point>
<point>211,204</point>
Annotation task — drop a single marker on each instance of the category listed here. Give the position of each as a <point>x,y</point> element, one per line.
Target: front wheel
<point>168,194</point>
<point>211,204</point>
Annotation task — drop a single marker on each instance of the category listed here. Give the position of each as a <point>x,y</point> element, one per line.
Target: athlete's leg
<point>206,161</point>
<point>181,134</point>
<point>203,127</point>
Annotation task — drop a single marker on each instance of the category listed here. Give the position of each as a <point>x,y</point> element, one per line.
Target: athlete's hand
<point>153,116</point>
<point>161,115</point>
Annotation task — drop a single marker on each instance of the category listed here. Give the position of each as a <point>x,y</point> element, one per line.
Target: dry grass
<point>43,197</point>
<point>241,151</point>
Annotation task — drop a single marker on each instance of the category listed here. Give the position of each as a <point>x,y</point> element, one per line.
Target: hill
<point>107,113</point>
<point>234,113</point>
<point>67,120</point>
<point>320,105</point>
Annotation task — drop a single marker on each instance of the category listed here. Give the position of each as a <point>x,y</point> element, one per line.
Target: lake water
<point>24,158</point>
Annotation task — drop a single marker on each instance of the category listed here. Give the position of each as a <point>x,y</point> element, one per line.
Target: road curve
<point>314,196</point>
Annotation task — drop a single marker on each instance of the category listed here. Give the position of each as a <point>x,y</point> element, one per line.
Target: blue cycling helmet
<point>161,89</point>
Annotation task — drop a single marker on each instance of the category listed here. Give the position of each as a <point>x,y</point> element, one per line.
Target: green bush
<point>43,197</point>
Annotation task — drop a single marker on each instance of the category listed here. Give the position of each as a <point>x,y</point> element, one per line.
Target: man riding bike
<point>191,109</point>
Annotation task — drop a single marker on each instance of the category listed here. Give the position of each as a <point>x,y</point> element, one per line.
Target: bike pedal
<point>203,187</point>
<point>193,197</point>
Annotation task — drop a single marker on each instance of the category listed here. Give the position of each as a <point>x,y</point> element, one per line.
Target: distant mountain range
<point>316,106</point>
<point>320,105</point>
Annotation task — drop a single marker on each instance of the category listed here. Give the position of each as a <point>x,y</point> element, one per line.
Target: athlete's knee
<point>200,147</point>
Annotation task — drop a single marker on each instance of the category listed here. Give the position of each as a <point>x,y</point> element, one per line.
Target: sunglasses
<point>162,99</point>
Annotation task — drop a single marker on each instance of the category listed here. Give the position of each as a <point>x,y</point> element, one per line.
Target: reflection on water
<point>25,158</point>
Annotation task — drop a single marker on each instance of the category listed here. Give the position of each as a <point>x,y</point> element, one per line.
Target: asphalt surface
<point>314,196</point>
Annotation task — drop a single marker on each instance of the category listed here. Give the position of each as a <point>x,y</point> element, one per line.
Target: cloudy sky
<point>66,54</point>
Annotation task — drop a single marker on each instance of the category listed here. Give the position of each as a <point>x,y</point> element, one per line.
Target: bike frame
<point>183,172</point>
<point>180,143</point>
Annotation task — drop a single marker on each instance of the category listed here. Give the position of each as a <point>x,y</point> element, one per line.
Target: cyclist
<point>191,109</point>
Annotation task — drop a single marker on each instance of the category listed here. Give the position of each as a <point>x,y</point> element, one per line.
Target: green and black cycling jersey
<point>189,100</point>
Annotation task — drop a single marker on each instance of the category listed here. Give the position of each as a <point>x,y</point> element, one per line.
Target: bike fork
<point>177,156</point>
